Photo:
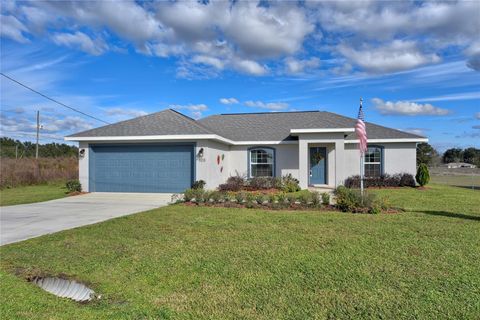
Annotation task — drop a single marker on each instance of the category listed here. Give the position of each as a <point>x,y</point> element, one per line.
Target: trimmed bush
<point>234,183</point>
<point>259,198</point>
<point>315,198</point>
<point>290,184</point>
<point>74,186</point>
<point>216,196</point>
<point>261,183</point>
<point>189,195</point>
<point>350,200</point>
<point>305,198</point>
<point>199,184</point>
<point>325,199</point>
<point>423,176</point>
<point>281,198</point>
<point>291,198</point>
<point>239,197</point>
<point>272,198</point>
<point>387,180</point>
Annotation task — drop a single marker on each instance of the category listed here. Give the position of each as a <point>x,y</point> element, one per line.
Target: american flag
<point>361,130</point>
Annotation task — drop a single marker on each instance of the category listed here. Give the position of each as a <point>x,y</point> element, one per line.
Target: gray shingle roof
<point>166,122</point>
<point>268,126</point>
<point>276,126</point>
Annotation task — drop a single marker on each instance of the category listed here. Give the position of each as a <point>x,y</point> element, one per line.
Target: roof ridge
<point>378,125</point>
<point>123,121</point>
<point>198,124</point>
<point>263,112</point>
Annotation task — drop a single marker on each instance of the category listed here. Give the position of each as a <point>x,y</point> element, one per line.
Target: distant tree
<point>426,154</point>
<point>453,155</point>
<point>422,176</point>
<point>472,155</point>
<point>9,146</point>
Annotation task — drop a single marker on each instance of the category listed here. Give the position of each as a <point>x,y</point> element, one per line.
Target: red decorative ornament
<point>218,159</point>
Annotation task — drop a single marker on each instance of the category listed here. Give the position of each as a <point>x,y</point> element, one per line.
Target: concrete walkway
<point>26,221</point>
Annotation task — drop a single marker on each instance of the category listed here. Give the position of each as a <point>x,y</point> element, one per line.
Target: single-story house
<point>455,165</point>
<point>167,151</point>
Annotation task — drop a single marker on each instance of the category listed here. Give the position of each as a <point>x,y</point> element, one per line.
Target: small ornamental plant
<point>423,176</point>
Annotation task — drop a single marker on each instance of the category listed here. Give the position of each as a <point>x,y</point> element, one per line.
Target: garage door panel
<point>141,168</point>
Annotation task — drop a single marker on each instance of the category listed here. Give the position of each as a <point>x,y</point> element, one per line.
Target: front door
<point>318,160</point>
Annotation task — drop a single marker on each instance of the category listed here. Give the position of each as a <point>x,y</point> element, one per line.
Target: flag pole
<point>362,167</point>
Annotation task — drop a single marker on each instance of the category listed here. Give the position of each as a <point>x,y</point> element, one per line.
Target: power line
<point>51,99</point>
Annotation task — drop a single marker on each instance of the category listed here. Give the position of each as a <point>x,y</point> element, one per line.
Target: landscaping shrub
<point>315,198</point>
<point>290,184</point>
<point>249,197</point>
<point>387,180</point>
<point>199,184</point>
<point>350,200</point>
<point>325,199</point>
<point>260,198</point>
<point>74,185</point>
<point>199,195</point>
<point>281,198</point>
<point>240,197</point>
<point>291,198</point>
<point>234,183</point>
<point>216,196</point>
<point>305,198</point>
<point>272,198</point>
<point>423,176</point>
<point>261,183</point>
<point>189,195</point>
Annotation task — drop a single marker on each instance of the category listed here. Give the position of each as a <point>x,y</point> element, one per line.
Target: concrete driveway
<point>32,220</point>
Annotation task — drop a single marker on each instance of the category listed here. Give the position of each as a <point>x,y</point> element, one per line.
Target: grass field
<point>215,263</point>
<point>30,194</point>
<point>460,177</point>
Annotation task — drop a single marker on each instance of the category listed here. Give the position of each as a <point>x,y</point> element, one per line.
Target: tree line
<point>11,148</point>
<point>428,155</point>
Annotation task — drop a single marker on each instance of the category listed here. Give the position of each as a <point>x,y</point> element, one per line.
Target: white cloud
<point>228,101</point>
<point>476,126</point>
<point>250,67</point>
<point>453,97</point>
<point>12,28</point>
<point>294,66</point>
<point>407,108</point>
<point>82,41</point>
<point>473,54</point>
<point>395,56</point>
<point>210,61</point>
<point>196,110</point>
<point>477,115</point>
<point>274,106</point>
<point>417,131</point>
<point>124,112</point>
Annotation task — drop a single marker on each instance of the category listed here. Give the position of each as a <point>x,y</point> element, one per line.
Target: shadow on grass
<point>452,215</point>
<point>469,187</point>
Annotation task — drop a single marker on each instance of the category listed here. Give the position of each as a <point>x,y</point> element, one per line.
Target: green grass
<point>30,194</point>
<point>457,180</point>
<point>214,263</point>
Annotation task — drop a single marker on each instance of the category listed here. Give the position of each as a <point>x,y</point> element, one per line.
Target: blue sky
<point>416,64</point>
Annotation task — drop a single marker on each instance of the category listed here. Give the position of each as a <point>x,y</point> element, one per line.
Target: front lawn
<point>183,262</point>
<point>30,194</point>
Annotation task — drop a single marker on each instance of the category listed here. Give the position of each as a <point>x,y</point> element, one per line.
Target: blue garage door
<point>141,168</point>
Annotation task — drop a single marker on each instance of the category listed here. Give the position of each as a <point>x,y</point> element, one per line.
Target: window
<point>373,162</point>
<point>262,162</point>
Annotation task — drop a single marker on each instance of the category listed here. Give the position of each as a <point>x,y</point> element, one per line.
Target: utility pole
<point>38,132</point>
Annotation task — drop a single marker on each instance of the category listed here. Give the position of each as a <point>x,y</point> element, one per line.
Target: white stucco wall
<point>398,158</point>
<point>207,168</point>
<point>342,159</point>
<point>334,142</point>
<point>286,159</point>
<point>83,166</point>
